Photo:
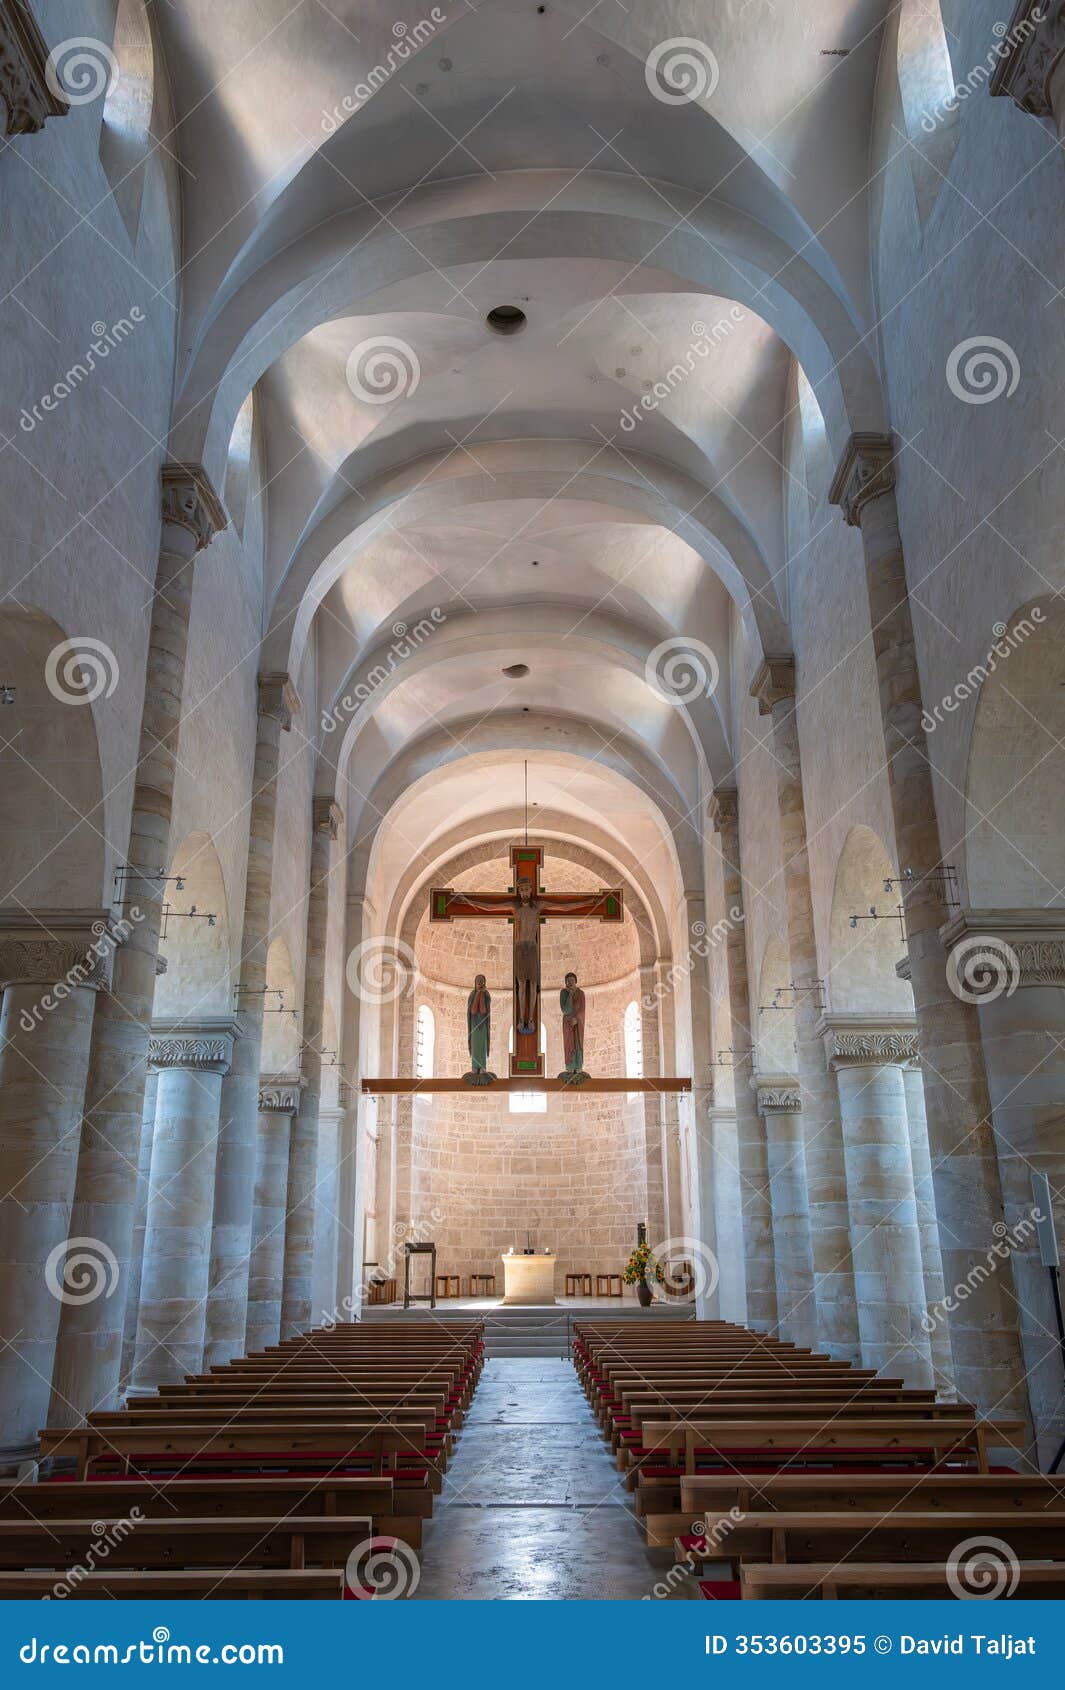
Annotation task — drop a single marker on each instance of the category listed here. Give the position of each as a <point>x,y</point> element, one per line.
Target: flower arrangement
<point>642,1268</point>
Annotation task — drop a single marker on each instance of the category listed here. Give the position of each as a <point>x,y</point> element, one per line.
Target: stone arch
<point>281,1035</point>
<point>52,852</point>
<point>502,735</point>
<point>375,675</point>
<point>199,977</point>
<point>863,958</point>
<point>337,264</point>
<point>623,486</point>
<point>1015,792</point>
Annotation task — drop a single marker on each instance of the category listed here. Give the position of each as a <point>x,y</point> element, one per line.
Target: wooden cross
<point>526,906</point>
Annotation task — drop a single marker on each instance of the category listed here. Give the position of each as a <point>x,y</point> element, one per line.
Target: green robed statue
<point>479,1033</point>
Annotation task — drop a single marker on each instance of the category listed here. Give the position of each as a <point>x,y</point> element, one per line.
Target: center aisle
<point>530,1507</point>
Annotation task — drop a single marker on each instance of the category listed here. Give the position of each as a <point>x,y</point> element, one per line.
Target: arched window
<point>633,1035</point>
<point>238,464</point>
<point>125,134</point>
<point>425,1044</point>
<point>529,1102</point>
<point>817,464</point>
<point>930,102</point>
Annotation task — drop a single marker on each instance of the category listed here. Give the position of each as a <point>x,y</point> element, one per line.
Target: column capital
<point>774,681</point>
<point>202,1047</point>
<point>777,1094</point>
<point>855,1040</point>
<point>278,699</point>
<point>866,472</point>
<point>326,817</point>
<point>189,501</point>
<point>1029,54</point>
<point>279,1094</point>
<point>723,810</point>
<point>29,88</point>
<point>990,953</point>
<point>58,947</point>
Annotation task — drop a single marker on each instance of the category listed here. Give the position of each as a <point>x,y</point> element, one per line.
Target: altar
<point>529,1279</point>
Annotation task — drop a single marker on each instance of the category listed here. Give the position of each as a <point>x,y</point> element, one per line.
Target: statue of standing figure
<point>572,1003</point>
<point>479,1033</point>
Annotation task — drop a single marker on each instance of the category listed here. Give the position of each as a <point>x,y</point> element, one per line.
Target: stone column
<point>1031,61</point>
<point>868,1054</point>
<point>191,1059</point>
<point>753,1157</point>
<point>779,1103</point>
<point>52,962</point>
<point>359,1111</point>
<point>296,1314</point>
<point>702,1199</point>
<point>140,1216</point>
<point>1011,964</point>
<point>728,1212</point>
<point>650,1106</point>
<point>837,1315</point>
<point>326,1228</point>
<point>985,1342</point>
<point>279,1098</point>
<point>89,1353</point>
<point>231,1234</point>
<point>660,987</point>
<point>928,1230</point>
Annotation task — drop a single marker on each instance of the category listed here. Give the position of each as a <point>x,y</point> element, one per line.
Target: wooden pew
<point>842,1436</point>
<point>396,1510</point>
<point>918,1581</point>
<point>895,1535</point>
<point>220,1584</point>
<point>191,1542</point>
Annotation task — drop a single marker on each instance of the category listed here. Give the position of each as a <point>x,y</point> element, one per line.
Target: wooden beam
<point>531,1082</point>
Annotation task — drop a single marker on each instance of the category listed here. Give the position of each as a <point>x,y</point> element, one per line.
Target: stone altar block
<point>529,1279</point>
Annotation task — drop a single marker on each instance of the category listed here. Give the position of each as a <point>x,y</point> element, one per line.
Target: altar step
<point>538,1330</point>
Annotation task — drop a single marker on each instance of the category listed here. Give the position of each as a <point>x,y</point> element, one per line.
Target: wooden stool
<point>448,1285</point>
<point>578,1285</point>
<point>482,1284</point>
<point>609,1280</point>
<point>382,1291</point>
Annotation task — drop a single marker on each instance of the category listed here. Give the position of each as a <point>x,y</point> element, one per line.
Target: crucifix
<point>526,906</point>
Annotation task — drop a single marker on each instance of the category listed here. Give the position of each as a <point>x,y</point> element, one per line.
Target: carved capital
<point>279,1094</point>
<point>189,501</point>
<point>58,948</point>
<point>723,810</point>
<point>278,699</point>
<point>202,1047</point>
<point>862,1040</point>
<point>326,817</point>
<point>28,93</point>
<point>990,953</point>
<point>1029,54</point>
<point>866,472</point>
<point>777,1094</point>
<point>774,682</point>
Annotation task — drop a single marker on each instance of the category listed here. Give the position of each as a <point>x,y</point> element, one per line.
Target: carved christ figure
<point>526,911</point>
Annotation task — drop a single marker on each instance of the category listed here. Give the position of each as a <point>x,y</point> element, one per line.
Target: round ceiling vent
<point>506,319</point>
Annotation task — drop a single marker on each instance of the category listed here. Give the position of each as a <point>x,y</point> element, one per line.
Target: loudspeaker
<point>1048,1243</point>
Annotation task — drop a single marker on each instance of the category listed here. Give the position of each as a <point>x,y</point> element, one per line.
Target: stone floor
<point>533,1508</point>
